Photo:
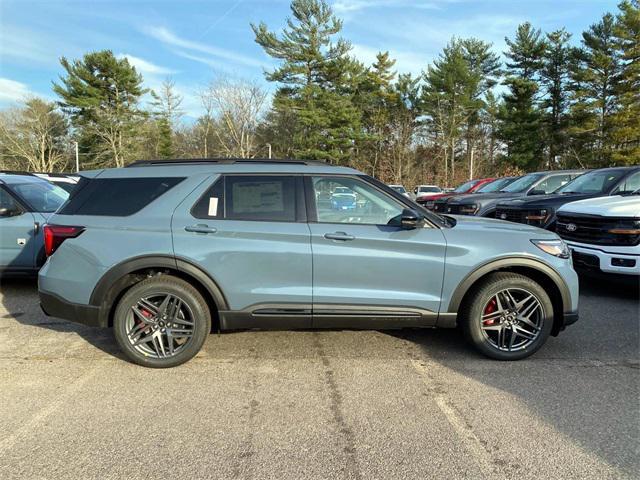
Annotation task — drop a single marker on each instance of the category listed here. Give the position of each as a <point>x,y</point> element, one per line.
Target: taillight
<point>54,235</point>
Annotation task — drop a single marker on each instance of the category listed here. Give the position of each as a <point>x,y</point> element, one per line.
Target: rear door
<point>367,270</point>
<point>249,233</point>
<point>18,235</point>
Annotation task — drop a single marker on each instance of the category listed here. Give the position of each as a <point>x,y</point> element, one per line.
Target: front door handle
<point>200,228</point>
<point>339,236</point>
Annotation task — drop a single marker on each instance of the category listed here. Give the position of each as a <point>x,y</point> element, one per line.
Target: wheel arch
<point>542,273</point>
<point>119,278</point>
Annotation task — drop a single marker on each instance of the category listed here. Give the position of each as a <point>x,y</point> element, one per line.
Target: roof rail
<point>226,161</point>
<point>16,172</point>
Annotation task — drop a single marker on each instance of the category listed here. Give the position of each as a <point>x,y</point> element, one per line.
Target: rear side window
<point>256,197</point>
<point>116,197</point>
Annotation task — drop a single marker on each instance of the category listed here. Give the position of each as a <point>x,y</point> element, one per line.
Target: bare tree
<point>235,108</point>
<point>34,137</point>
<point>167,102</point>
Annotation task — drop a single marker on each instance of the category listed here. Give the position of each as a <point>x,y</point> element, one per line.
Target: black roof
<point>195,161</point>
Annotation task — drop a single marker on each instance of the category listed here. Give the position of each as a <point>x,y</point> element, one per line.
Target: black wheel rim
<point>160,325</point>
<point>512,319</point>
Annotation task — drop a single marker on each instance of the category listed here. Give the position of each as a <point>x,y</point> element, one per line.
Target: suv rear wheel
<point>161,322</point>
<point>508,316</point>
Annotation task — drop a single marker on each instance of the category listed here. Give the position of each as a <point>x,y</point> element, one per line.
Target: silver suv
<point>165,251</point>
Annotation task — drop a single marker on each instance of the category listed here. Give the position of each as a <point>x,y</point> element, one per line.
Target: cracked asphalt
<point>321,404</point>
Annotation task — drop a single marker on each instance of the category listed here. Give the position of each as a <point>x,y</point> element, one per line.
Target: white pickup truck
<point>603,233</point>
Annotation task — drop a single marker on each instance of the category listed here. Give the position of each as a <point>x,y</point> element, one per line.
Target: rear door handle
<point>339,236</point>
<point>200,228</point>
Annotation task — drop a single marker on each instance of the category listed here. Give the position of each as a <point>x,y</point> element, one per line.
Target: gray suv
<point>163,252</point>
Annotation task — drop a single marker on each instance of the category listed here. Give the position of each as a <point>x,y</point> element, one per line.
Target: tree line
<point>552,103</point>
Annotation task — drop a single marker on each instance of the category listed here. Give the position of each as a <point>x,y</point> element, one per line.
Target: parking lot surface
<point>321,404</point>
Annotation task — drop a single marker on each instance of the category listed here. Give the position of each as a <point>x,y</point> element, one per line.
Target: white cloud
<point>12,91</point>
<point>166,36</point>
<point>406,62</point>
<point>146,67</point>
<point>342,7</point>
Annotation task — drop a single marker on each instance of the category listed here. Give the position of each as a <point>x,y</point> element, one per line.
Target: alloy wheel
<point>512,319</point>
<point>160,325</point>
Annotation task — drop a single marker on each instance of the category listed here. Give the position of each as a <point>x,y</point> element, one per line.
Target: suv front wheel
<point>161,322</point>
<point>508,316</point>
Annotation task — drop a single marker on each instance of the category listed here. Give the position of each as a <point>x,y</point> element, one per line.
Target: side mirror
<point>410,219</point>
<point>10,212</point>
<point>537,192</point>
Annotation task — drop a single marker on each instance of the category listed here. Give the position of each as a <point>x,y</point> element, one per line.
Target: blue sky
<point>193,41</point>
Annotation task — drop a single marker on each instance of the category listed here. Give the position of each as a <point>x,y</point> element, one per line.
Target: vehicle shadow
<point>583,382</point>
<point>18,302</point>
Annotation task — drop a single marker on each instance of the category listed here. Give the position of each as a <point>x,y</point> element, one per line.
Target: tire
<point>161,322</point>
<point>492,325</point>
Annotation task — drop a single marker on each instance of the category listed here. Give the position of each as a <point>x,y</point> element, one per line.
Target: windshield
<point>522,184</point>
<point>598,181</point>
<point>399,188</point>
<point>465,186</point>
<point>495,185</point>
<point>41,196</point>
<point>429,190</point>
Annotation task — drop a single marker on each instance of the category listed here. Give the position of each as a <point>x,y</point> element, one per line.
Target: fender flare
<point>103,297</point>
<point>505,263</point>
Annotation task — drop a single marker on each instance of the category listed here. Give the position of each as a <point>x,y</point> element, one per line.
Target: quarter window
<point>348,200</point>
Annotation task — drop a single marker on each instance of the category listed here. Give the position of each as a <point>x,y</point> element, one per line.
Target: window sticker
<point>257,197</point>
<point>213,207</point>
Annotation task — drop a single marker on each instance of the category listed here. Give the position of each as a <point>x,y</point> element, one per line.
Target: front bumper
<point>593,258</point>
<point>54,306</point>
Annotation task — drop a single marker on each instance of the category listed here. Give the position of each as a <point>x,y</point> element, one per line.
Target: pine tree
<point>101,94</point>
<point>626,122</point>
<point>554,77</point>
<point>314,69</point>
<point>596,72</point>
<point>520,115</point>
<point>166,111</point>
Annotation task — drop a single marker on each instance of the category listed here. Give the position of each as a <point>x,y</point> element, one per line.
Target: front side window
<point>552,183</point>
<point>41,196</point>
<point>349,200</point>
<point>243,197</point>
<point>628,185</point>
<point>598,181</point>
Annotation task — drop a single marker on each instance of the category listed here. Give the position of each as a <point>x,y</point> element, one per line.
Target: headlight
<point>557,248</point>
<point>469,209</point>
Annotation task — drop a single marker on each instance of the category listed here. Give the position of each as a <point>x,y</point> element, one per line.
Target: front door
<point>249,234</point>
<point>17,234</point>
<point>367,269</point>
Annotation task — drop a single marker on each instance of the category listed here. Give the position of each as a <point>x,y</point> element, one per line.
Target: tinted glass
<point>347,200</point>
<point>430,190</point>
<point>6,200</point>
<point>599,181</point>
<point>465,186</point>
<point>266,198</point>
<point>117,197</point>
<point>41,196</point>
<point>211,204</point>
<point>522,184</point>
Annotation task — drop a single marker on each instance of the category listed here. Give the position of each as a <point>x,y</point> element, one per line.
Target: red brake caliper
<point>490,308</point>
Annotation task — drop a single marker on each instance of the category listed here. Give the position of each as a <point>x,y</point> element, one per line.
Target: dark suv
<point>540,211</point>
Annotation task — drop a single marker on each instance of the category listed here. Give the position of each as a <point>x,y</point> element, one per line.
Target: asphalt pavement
<point>409,404</point>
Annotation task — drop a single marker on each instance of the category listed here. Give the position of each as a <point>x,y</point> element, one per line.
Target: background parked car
<point>499,183</point>
<point>65,181</point>
<point>467,187</point>
<point>603,233</point>
<point>424,191</point>
<point>540,210</point>
<point>26,202</point>
<point>400,189</point>
<point>483,204</point>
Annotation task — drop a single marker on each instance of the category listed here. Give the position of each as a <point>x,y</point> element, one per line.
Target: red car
<point>467,187</point>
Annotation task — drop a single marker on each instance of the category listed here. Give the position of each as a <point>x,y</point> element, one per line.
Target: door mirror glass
<point>411,219</point>
<point>10,211</point>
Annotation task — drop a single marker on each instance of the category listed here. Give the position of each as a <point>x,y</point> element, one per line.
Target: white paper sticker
<point>213,207</point>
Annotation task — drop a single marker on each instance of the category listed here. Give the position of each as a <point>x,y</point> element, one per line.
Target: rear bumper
<point>54,306</point>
